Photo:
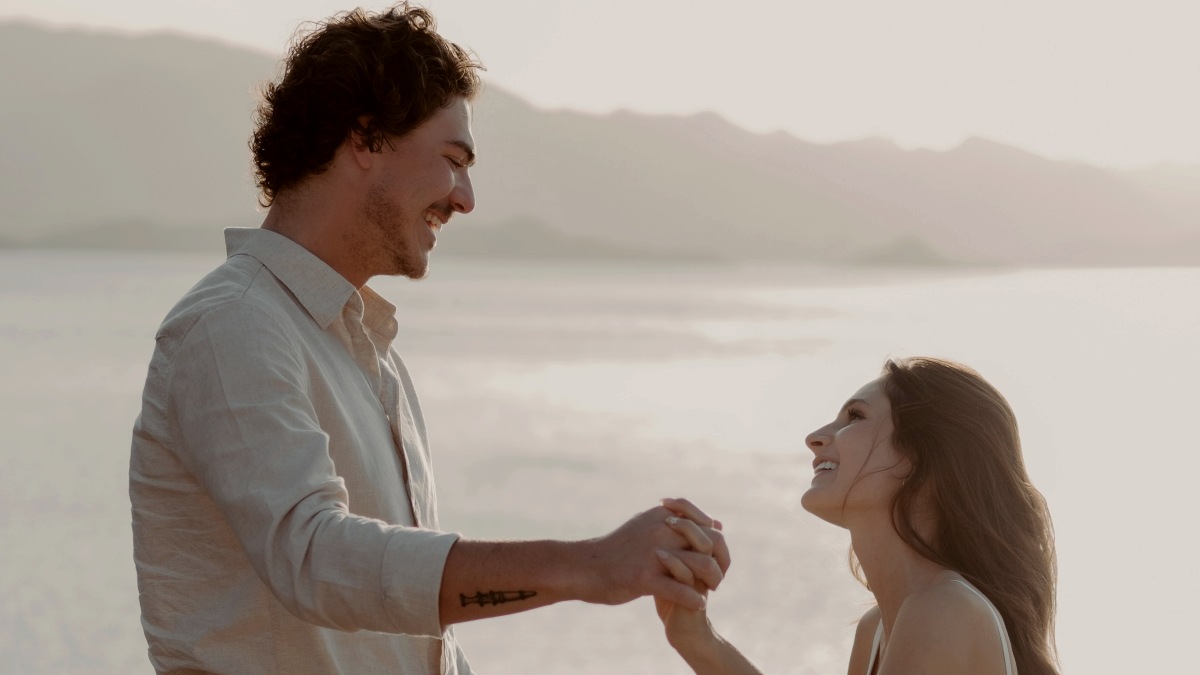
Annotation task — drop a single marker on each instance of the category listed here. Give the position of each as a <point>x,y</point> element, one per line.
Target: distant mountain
<point>116,140</point>
<point>96,128</point>
<point>531,239</point>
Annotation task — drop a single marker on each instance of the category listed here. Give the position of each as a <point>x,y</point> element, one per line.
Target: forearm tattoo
<point>483,599</point>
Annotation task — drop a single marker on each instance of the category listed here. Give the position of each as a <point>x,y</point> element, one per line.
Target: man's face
<point>421,182</point>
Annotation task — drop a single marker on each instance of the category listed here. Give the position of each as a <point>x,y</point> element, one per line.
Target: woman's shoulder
<point>948,623</point>
<point>864,640</point>
<point>950,604</point>
<point>868,623</point>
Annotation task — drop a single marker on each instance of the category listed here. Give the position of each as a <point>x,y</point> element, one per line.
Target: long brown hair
<point>991,525</point>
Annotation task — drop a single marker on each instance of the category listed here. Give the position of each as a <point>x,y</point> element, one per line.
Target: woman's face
<point>856,469</point>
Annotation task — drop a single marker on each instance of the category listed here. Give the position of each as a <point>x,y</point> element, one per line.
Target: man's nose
<point>463,197</point>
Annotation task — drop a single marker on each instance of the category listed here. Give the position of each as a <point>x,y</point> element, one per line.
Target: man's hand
<point>630,561</point>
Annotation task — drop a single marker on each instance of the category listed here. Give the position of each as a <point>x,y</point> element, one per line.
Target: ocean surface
<point>562,400</point>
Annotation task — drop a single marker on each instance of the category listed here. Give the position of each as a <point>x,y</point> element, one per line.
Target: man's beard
<point>394,252</point>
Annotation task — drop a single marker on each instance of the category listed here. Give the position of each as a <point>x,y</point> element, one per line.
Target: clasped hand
<point>674,552</point>
<point>695,567</point>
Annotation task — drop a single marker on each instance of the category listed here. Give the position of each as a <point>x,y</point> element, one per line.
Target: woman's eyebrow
<point>853,401</point>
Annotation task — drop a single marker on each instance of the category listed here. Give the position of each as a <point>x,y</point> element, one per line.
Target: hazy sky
<point>1112,82</point>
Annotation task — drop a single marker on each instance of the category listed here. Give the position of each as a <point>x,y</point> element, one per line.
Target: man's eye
<point>460,163</point>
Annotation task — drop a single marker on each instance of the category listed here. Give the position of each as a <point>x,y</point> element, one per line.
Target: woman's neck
<point>892,568</point>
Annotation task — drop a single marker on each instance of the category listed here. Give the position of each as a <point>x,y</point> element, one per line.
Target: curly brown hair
<point>390,68</point>
<point>992,525</point>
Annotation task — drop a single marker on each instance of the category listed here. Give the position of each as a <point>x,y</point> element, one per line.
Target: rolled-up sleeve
<point>247,429</point>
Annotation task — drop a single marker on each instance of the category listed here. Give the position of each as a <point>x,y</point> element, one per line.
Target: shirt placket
<point>386,390</point>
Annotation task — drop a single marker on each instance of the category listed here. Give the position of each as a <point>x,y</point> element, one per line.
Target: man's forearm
<point>487,579</point>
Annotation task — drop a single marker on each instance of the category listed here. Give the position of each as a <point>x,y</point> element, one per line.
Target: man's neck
<point>323,222</point>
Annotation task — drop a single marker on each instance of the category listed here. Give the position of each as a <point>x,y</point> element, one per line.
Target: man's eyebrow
<point>467,149</point>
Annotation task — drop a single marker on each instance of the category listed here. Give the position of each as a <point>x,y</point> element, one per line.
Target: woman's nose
<point>817,439</point>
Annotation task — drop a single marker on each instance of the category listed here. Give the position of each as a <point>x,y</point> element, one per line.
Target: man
<point>283,500</point>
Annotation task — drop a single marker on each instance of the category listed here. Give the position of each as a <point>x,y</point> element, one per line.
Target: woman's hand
<point>688,630</point>
<point>702,567</point>
<point>703,532</point>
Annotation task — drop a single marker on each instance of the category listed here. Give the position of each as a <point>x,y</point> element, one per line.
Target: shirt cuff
<point>413,563</point>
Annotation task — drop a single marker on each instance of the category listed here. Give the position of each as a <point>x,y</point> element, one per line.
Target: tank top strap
<point>1010,667</point>
<point>875,648</point>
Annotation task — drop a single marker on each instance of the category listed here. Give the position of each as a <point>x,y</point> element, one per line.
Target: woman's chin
<point>811,502</point>
<point>816,503</point>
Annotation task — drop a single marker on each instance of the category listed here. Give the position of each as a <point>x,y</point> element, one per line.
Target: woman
<point>923,465</point>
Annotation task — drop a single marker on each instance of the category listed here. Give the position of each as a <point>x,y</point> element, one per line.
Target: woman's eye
<point>853,415</point>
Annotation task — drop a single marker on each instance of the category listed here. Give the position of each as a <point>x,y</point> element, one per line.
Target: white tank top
<point>1010,667</point>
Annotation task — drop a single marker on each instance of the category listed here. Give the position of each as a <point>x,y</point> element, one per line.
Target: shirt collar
<point>319,289</point>
<point>379,315</point>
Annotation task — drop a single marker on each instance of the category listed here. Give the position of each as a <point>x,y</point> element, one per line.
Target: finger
<point>704,540</point>
<point>695,536</point>
<point>670,590</point>
<point>686,509</point>
<point>678,569</point>
<point>663,608</point>
<point>720,549</point>
<point>702,567</point>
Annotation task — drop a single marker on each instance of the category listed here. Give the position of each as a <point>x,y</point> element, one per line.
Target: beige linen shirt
<point>284,518</point>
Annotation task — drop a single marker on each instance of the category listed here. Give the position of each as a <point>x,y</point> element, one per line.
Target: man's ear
<point>357,144</point>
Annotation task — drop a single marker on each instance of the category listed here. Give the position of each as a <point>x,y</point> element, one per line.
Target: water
<point>562,401</point>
